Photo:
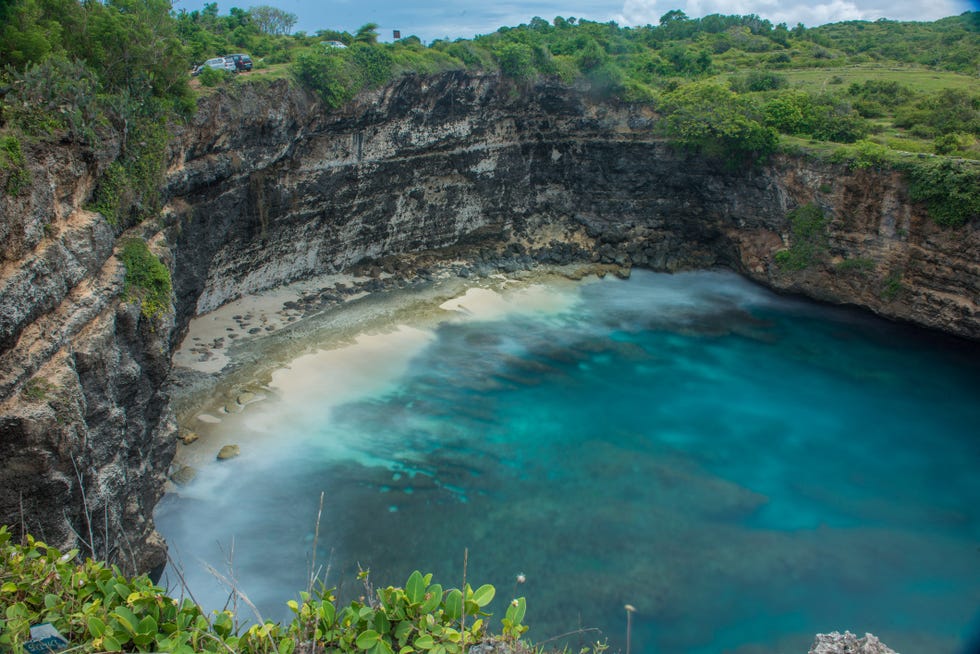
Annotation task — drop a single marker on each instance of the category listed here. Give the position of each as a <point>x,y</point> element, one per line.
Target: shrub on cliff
<point>710,119</point>
<point>949,188</point>
<point>147,279</point>
<point>12,165</point>
<point>97,609</point>
<point>808,231</point>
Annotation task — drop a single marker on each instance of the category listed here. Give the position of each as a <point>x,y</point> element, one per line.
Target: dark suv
<point>242,62</point>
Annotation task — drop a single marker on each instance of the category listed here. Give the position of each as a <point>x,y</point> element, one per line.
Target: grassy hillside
<point>733,87</point>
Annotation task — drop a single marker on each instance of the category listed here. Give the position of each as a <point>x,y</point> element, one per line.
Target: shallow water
<point>744,469</point>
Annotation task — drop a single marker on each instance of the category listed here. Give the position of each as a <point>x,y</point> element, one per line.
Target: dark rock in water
<point>848,643</point>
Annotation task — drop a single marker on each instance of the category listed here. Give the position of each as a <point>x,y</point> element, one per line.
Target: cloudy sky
<point>432,19</point>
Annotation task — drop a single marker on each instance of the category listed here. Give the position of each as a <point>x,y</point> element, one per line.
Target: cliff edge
<point>264,187</point>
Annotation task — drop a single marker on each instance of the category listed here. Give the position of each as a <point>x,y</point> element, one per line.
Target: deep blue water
<point>744,469</point>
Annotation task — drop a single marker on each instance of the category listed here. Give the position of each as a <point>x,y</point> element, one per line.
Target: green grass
<point>919,79</point>
<point>266,74</point>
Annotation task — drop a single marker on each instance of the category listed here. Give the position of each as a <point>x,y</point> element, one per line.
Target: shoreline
<point>217,379</point>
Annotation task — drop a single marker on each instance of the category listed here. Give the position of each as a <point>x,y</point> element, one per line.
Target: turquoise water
<point>746,470</point>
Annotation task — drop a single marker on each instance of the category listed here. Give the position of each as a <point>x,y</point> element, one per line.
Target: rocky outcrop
<point>848,643</point>
<point>264,187</point>
<point>84,423</point>
<point>472,162</point>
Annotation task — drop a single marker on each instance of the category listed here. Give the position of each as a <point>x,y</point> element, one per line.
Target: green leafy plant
<point>808,238</point>
<point>212,77</point>
<point>711,119</point>
<point>109,194</point>
<point>949,188</point>
<point>147,279</point>
<point>12,161</point>
<point>893,286</point>
<point>97,609</point>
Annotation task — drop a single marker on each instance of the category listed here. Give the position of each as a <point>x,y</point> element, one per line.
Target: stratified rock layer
<point>265,187</point>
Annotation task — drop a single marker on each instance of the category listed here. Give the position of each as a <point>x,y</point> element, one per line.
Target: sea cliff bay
<point>667,441</point>
<point>430,187</point>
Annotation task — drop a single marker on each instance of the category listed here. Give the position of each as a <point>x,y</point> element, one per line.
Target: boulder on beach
<point>187,436</point>
<point>229,452</point>
<point>183,475</point>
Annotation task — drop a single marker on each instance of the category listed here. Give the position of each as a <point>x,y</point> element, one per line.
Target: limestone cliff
<point>265,187</point>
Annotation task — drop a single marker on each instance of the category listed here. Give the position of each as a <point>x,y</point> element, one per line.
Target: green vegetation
<point>855,265</point>
<point>147,279</point>
<point>732,87</point>
<point>949,188</point>
<point>98,609</point>
<point>96,74</point>
<point>37,389</point>
<point>893,286</point>
<point>808,238</point>
<point>12,162</point>
<point>212,77</point>
<point>713,120</point>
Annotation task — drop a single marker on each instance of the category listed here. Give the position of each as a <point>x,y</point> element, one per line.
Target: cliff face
<point>83,418</point>
<point>264,188</point>
<point>275,191</point>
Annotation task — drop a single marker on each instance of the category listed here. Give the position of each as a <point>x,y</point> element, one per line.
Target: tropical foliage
<point>734,87</point>
<point>97,609</point>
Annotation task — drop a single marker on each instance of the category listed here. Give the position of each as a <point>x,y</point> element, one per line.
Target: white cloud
<point>643,12</point>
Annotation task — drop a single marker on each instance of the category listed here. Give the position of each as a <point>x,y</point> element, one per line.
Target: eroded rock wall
<point>460,159</point>
<point>84,442</point>
<point>264,187</point>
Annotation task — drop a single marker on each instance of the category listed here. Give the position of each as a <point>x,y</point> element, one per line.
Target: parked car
<point>221,63</point>
<point>242,62</point>
<point>333,44</point>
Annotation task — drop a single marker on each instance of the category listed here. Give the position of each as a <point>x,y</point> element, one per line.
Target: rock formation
<point>265,187</point>
<point>848,643</point>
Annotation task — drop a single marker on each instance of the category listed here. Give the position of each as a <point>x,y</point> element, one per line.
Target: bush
<point>56,95</point>
<point>953,143</point>
<point>98,609</point>
<point>515,61</point>
<point>791,112</point>
<point>147,279</point>
<point>838,122</point>
<point>331,75</point>
<point>708,118</point>
<point>869,154</point>
<point>808,238</point>
<point>758,80</point>
<point>12,162</point>
<point>212,77</point>
<point>373,61</point>
<point>950,189</point>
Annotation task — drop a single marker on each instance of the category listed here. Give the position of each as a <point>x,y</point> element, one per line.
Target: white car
<point>221,63</point>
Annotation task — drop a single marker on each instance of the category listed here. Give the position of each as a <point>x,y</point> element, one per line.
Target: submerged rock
<point>848,643</point>
<point>184,475</point>
<point>229,452</point>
